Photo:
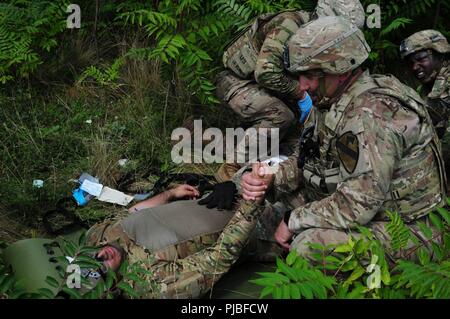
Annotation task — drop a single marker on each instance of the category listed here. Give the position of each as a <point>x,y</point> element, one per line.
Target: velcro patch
<point>347,147</point>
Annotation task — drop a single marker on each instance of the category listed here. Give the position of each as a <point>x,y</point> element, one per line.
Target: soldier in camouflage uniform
<point>428,55</point>
<point>256,86</point>
<point>368,147</point>
<point>178,267</point>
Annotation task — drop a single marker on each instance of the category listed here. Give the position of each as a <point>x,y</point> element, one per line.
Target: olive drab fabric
<point>32,260</point>
<point>187,270</point>
<point>423,40</point>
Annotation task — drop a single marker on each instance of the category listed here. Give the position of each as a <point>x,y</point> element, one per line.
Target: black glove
<point>222,196</point>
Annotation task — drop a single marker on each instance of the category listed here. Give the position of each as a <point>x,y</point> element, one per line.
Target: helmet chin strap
<point>326,102</point>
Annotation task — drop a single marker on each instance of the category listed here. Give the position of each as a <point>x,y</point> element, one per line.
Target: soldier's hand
<point>283,235</point>
<point>183,191</point>
<point>255,184</point>
<point>222,196</point>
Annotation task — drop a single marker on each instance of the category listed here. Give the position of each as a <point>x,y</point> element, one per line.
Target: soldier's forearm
<point>287,178</point>
<point>346,208</point>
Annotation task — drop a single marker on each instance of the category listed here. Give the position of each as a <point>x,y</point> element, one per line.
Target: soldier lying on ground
<point>368,147</point>
<point>189,268</point>
<point>428,56</point>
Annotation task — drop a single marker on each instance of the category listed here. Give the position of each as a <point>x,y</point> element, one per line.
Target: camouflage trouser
<point>258,108</point>
<point>337,237</point>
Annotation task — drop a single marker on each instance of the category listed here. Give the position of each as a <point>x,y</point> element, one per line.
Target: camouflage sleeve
<point>366,182</point>
<point>269,72</point>
<point>194,275</point>
<point>287,177</point>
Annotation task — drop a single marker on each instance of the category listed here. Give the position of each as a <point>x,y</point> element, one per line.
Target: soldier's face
<point>424,65</point>
<point>320,86</point>
<point>110,256</point>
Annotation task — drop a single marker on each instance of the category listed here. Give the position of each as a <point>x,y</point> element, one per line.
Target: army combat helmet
<point>423,40</point>
<point>352,10</point>
<point>331,44</point>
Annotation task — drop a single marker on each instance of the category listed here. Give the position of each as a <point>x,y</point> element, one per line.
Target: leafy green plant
<point>295,279</point>
<point>361,269</point>
<point>27,30</point>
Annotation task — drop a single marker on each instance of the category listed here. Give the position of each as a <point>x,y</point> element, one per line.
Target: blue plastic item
<point>81,197</point>
<point>305,106</point>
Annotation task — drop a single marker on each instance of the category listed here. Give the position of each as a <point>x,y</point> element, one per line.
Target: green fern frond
<point>430,280</point>
<point>400,234</point>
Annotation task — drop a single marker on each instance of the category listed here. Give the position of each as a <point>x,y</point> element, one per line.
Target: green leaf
<point>73,293</point>
<point>266,291</point>
<point>437,251</point>
<point>343,248</point>
<point>277,293</point>
<point>428,233</point>
<point>265,282</point>
<point>385,275</point>
<point>294,291</point>
<point>437,222</point>
<point>316,246</point>
<point>82,239</point>
<point>424,256</point>
<point>360,246</point>
<point>47,293</point>
<point>357,272</point>
<point>305,290</point>
<point>286,292</point>
<point>52,282</point>
<point>127,288</point>
<point>274,275</point>
<point>110,278</point>
<point>444,213</point>
<point>6,284</point>
<point>291,257</point>
<point>357,293</point>
<point>290,273</point>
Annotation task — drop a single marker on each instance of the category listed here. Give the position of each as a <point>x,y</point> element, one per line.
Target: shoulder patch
<point>347,147</point>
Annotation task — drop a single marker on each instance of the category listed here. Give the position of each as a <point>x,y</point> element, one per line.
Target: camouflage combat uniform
<point>377,149</point>
<point>189,268</point>
<point>438,99</point>
<point>255,85</point>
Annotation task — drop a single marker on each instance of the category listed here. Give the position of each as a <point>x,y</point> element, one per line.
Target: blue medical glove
<point>305,106</point>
